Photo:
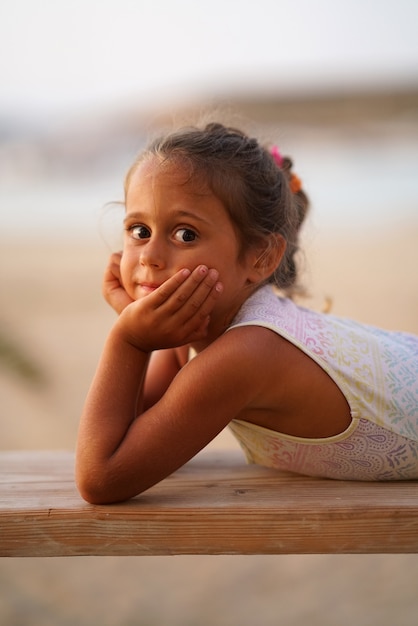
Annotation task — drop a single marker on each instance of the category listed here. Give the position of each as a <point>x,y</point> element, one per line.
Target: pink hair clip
<point>275,153</point>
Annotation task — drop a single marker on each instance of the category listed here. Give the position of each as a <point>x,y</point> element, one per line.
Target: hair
<point>244,175</point>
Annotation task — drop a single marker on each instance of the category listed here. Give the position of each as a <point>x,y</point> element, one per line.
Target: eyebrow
<point>180,213</point>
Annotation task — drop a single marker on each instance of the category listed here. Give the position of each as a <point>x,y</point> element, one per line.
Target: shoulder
<point>218,384</point>
<point>238,359</point>
<point>267,307</point>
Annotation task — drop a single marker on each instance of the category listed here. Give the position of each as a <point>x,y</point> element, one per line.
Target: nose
<point>152,254</point>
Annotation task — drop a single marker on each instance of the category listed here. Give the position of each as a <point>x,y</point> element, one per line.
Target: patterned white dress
<point>376,370</point>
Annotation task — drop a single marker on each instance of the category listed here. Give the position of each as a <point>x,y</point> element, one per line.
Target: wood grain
<point>216,504</point>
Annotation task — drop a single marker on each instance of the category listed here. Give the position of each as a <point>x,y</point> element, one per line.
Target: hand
<point>112,288</point>
<point>176,313</point>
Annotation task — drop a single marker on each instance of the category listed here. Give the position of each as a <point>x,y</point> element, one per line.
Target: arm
<point>198,404</point>
<point>163,365</point>
<point>112,441</point>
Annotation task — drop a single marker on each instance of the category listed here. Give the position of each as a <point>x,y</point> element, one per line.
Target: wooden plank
<point>216,504</point>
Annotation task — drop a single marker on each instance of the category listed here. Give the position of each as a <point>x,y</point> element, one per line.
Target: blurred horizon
<point>357,154</point>
<point>61,59</point>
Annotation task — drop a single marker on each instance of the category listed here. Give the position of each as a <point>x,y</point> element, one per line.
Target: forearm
<point>111,403</point>
<point>116,452</point>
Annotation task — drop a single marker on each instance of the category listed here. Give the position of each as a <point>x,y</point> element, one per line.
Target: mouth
<point>149,287</point>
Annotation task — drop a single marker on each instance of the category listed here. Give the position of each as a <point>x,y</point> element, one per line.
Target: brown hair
<point>246,178</point>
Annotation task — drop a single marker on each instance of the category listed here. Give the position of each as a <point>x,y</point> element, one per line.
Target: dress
<point>376,370</point>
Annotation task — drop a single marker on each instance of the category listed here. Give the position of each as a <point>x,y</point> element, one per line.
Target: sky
<point>66,56</point>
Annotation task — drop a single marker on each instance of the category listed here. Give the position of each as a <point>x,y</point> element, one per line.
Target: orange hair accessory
<point>295,183</point>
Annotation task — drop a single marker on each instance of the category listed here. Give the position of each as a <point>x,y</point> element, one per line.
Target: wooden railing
<point>216,504</point>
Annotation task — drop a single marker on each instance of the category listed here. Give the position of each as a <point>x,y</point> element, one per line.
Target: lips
<point>149,286</point>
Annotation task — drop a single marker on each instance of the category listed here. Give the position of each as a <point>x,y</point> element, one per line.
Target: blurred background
<point>83,84</point>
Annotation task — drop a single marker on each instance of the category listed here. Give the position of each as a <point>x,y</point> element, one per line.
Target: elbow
<point>96,487</point>
<point>92,491</point>
<point>104,484</point>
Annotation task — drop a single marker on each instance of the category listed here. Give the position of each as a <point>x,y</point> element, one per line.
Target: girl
<point>211,226</point>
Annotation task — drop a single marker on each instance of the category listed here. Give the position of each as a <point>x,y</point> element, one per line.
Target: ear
<point>266,257</point>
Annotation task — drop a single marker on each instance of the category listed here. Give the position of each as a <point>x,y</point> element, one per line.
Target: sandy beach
<point>52,310</point>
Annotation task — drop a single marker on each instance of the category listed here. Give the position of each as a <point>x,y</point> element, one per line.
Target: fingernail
<point>203,269</point>
<point>185,272</point>
<point>213,274</point>
<point>219,287</point>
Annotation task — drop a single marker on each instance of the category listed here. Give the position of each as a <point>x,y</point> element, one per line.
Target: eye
<point>184,235</point>
<point>139,231</point>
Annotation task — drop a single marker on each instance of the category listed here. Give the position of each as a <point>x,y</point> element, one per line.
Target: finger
<point>114,264</point>
<point>194,317</point>
<point>178,289</point>
<point>187,300</point>
<point>202,299</point>
<point>115,257</point>
<point>208,293</point>
<point>196,325</point>
<point>169,287</point>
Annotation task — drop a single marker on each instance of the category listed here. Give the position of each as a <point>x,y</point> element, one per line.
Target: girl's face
<point>171,224</point>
